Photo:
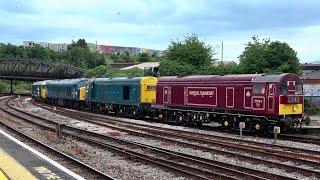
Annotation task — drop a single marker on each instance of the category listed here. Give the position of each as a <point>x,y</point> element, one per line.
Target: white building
<point>29,43</point>
<point>145,65</point>
<point>58,47</point>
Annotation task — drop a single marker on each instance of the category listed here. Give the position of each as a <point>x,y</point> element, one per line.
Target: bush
<point>174,68</point>
<point>22,87</point>
<point>105,71</point>
<point>310,108</point>
<point>4,86</point>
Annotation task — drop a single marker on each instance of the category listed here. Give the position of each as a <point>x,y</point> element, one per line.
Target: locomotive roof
<point>66,81</point>
<point>118,79</point>
<point>239,77</point>
<point>274,77</point>
<point>231,77</point>
<point>39,83</point>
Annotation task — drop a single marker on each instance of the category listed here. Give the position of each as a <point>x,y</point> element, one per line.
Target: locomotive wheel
<point>199,124</point>
<point>187,120</point>
<point>307,120</point>
<point>121,112</point>
<point>227,124</point>
<point>180,119</point>
<point>161,116</point>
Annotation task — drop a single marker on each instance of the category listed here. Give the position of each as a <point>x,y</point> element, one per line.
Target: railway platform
<point>20,161</point>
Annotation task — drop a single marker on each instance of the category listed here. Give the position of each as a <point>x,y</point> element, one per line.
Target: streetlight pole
<point>221,52</point>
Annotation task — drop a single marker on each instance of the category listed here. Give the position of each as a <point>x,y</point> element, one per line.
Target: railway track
<point>190,166</point>
<point>301,138</point>
<point>86,169</point>
<point>270,152</point>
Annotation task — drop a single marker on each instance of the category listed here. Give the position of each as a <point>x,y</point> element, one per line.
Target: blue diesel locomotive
<point>126,96</point>
<point>67,92</point>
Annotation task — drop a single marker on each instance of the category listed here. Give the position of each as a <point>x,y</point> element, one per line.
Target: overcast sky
<point>152,23</point>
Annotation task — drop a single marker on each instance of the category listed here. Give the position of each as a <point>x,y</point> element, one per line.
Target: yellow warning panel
<point>12,168</point>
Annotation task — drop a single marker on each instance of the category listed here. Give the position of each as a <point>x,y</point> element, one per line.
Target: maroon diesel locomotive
<point>262,101</point>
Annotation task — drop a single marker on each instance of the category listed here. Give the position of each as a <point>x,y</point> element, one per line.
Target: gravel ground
<point>99,155</point>
<point>108,162</point>
<point>218,157</point>
<point>235,137</point>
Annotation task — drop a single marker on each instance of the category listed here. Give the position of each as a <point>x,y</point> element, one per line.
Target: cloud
<point>153,23</point>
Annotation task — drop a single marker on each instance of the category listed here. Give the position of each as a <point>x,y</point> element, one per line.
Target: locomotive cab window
<point>283,88</point>
<point>258,89</point>
<point>126,92</point>
<point>299,89</point>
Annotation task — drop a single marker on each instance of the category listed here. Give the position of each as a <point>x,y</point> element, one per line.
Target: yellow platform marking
<point>13,169</point>
<point>2,176</point>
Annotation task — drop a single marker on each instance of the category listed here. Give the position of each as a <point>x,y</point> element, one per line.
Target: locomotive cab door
<point>258,97</point>
<point>230,97</point>
<point>166,95</point>
<point>271,98</point>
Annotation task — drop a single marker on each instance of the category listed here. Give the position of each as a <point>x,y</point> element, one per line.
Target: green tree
<point>105,71</point>
<point>264,56</point>
<point>191,51</point>
<point>125,57</point>
<point>79,56</point>
<point>144,57</point>
<point>4,86</point>
<point>174,68</point>
<point>186,57</point>
<point>82,43</point>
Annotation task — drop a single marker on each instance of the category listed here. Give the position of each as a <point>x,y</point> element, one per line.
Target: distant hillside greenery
<point>78,54</point>
<point>106,71</point>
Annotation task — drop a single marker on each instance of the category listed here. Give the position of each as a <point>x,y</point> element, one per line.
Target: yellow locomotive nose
<point>285,109</point>
<point>295,108</point>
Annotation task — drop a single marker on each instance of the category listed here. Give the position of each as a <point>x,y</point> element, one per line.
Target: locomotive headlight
<point>295,108</point>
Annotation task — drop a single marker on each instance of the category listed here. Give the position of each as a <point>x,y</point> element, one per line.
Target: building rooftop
<point>145,65</point>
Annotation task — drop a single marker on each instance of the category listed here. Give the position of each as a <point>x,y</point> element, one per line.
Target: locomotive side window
<point>271,89</point>
<point>151,88</point>
<point>258,89</point>
<point>299,89</point>
<point>126,92</point>
<point>68,91</point>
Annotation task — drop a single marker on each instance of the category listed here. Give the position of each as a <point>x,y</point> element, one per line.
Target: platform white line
<point>54,163</point>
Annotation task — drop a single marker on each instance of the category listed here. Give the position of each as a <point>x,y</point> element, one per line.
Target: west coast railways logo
<point>201,93</point>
